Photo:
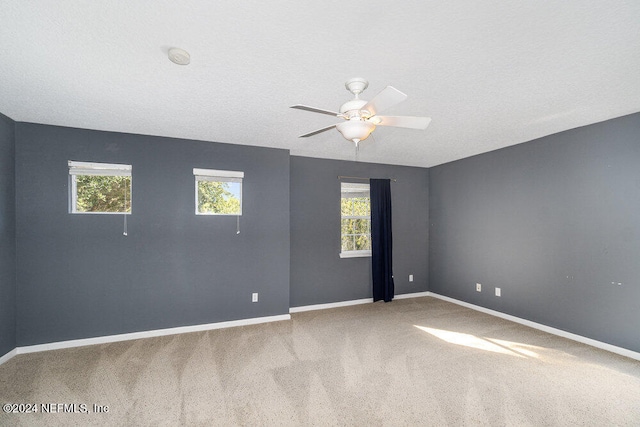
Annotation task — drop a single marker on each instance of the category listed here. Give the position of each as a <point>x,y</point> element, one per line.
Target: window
<point>99,188</point>
<point>355,215</point>
<point>218,192</point>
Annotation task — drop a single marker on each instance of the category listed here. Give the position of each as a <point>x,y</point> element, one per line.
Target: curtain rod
<point>358,177</point>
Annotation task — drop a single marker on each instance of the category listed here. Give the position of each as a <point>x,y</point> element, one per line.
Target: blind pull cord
<point>238,224</point>
<point>124,233</point>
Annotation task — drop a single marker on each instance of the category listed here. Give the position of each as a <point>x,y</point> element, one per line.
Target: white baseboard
<point>8,356</point>
<point>329,305</point>
<point>559,332</point>
<point>412,295</point>
<point>146,334</point>
<point>350,302</point>
<point>256,320</point>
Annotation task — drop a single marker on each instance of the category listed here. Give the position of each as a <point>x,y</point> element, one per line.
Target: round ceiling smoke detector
<point>179,56</point>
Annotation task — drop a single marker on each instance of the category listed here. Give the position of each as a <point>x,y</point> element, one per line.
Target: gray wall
<point>79,277</point>
<point>7,236</point>
<point>318,274</point>
<point>552,222</point>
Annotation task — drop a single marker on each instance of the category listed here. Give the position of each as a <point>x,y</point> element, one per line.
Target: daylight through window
<point>218,192</point>
<point>355,215</point>
<point>99,188</point>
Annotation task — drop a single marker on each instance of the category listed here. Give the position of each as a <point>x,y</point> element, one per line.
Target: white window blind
<point>98,169</point>
<point>352,190</point>
<point>218,175</point>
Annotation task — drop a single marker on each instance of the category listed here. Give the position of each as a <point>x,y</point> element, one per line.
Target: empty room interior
<point>320,213</point>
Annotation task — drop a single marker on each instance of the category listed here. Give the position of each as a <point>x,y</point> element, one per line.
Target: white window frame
<point>96,169</point>
<point>357,187</point>
<point>215,175</point>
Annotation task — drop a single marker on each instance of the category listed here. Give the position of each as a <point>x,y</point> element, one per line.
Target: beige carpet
<point>417,361</point>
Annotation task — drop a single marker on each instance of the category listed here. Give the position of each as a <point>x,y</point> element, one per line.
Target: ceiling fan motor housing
<point>354,105</point>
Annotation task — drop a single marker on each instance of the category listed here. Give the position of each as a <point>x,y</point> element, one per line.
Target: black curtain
<point>381,240</point>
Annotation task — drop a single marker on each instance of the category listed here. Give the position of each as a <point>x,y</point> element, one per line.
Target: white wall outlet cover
<point>411,277</point>
<point>478,287</point>
<point>498,292</point>
<point>254,297</point>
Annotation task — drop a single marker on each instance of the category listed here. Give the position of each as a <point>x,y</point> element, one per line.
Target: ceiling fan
<point>361,117</point>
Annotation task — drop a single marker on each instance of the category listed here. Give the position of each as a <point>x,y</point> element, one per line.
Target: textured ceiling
<point>490,74</point>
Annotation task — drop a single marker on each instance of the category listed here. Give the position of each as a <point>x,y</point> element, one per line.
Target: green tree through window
<point>355,214</point>
<point>218,197</point>
<point>96,193</point>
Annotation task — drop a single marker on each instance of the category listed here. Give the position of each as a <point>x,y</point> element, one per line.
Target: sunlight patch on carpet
<point>488,344</point>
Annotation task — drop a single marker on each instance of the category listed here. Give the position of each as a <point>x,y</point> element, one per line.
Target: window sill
<point>100,213</point>
<point>218,214</point>
<point>355,254</point>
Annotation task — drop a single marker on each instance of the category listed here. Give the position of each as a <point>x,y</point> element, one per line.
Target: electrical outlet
<point>478,287</point>
<point>254,297</point>
<point>498,293</point>
<point>411,277</point>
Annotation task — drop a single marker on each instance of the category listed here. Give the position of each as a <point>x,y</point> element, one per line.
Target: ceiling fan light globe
<point>353,130</point>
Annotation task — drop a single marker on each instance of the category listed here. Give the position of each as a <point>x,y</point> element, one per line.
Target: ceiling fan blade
<point>315,110</point>
<point>388,97</point>
<point>315,132</point>
<point>402,121</point>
